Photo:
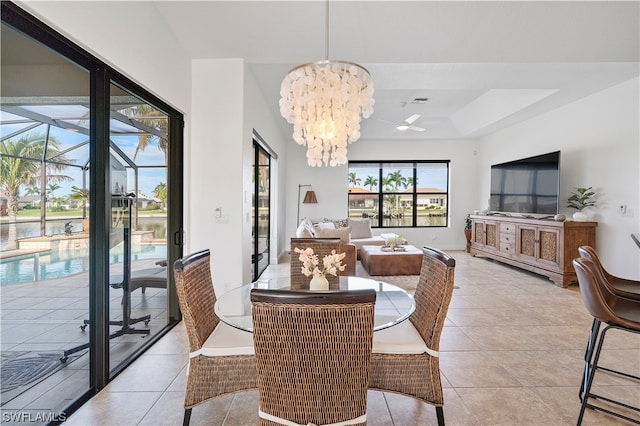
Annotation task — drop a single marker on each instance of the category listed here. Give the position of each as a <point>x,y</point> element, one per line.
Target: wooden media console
<point>545,247</point>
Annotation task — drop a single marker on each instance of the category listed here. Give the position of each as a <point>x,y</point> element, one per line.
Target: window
<point>400,193</point>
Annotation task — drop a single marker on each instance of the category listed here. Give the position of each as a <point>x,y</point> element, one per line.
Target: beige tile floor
<point>511,354</point>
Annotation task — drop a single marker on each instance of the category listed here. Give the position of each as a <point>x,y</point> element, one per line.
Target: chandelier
<point>323,100</point>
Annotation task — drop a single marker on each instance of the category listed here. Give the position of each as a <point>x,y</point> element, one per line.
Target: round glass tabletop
<point>393,304</point>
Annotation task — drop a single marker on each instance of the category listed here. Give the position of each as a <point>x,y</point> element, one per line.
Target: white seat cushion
<point>226,340</point>
<point>402,338</point>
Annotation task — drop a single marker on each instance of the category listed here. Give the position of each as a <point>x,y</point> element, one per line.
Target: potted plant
<point>580,199</point>
<point>467,231</point>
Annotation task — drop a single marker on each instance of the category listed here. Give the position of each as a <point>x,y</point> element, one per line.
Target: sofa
<point>354,231</point>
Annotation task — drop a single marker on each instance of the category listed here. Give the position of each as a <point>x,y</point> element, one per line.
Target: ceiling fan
<point>407,123</point>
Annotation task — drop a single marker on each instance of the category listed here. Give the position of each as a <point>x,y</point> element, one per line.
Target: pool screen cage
<point>44,161</point>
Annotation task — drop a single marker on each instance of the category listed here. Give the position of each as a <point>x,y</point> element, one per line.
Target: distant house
<point>143,200</point>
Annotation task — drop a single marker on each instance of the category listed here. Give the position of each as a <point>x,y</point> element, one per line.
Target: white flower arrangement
<point>395,241</point>
<point>331,263</point>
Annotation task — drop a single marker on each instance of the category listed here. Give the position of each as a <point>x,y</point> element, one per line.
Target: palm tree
<point>21,164</point>
<point>152,118</point>
<point>354,180</point>
<point>80,195</point>
<point>370,181</point>
<point>160,192</point>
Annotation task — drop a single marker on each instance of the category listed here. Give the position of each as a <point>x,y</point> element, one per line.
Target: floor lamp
<point>309,198</point>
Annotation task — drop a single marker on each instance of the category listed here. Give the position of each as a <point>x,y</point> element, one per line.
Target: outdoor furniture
<point>405,358</point>
<point>312,354</point>
<point>378,260</point>
<point>143,278</point>
<point>321,247</point>
<point>221,358</point>
<point>618,313</point>
<point>393,304</point>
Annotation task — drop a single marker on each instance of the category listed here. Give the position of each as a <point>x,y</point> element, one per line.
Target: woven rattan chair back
<point>321,247</point>
<point>418,374</point>
<point>312,354</point>
<point>433,295</point>
<point>196,297</point>
<point>209,376</point>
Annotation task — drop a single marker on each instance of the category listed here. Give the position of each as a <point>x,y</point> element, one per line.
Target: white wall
<point>331,185</point>
<point>110,31</point>
<point>599,140</point>
<point>258,117</point>
<point>216,172</point>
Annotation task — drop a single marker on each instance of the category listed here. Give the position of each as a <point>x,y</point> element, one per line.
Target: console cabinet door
<point>486,235</point>
<point>549,250</point>
<point>526,243</point>
<point>538,245</point>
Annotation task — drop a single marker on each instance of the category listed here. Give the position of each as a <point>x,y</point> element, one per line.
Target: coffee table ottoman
<point>376,261</point>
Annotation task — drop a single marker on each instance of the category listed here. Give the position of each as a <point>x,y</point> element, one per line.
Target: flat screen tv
<point>527,186</point>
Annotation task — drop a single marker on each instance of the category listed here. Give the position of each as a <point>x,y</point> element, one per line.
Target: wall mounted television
<point>527,186</point>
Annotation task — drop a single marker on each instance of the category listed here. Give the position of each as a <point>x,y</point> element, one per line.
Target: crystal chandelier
<point>323,100</point>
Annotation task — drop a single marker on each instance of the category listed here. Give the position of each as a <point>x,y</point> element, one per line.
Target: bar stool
<point>615,311</point>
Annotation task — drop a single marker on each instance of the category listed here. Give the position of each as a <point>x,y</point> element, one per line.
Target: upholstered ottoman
<point>378,262</point>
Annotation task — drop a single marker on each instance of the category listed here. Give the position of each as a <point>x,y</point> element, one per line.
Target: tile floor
<point>511,354</point>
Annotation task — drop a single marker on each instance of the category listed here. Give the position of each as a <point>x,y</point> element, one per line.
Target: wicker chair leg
<point>187,417</point>
<point>440,415</point>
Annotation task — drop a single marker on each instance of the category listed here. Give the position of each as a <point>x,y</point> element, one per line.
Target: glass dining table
<point>393,304</point>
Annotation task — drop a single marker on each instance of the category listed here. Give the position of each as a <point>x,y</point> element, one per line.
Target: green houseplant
<point>580,199</point>
<point>467,231</point>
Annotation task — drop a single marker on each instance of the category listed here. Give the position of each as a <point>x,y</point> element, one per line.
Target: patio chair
<point>618,313</point>
<point>312,355</point>
<point>405,357</point>
<point>221,358</point>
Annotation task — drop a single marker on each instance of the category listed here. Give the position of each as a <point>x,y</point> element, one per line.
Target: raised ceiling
<point>482,65</point>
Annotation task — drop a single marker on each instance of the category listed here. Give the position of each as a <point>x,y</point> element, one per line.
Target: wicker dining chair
<point>405,357</point>
<point>221,358</point>
<point>312,354</point>
<point>617,313</point>
<point>321,247</point>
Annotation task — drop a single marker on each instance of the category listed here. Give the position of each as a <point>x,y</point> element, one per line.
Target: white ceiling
<point>483,65</point>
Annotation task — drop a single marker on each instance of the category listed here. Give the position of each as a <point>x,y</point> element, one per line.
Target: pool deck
<point>44,317</point>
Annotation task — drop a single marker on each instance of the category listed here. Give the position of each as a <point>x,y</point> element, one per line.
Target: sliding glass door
<point>261,211</point>
<point>91,220</point>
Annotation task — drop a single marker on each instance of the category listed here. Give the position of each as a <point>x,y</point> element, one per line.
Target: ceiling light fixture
<point>323,100</point>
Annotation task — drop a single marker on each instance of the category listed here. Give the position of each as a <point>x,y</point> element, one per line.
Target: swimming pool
<point>50,264</point>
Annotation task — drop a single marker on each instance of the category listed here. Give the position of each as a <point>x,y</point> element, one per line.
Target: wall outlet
<point>622,208</point>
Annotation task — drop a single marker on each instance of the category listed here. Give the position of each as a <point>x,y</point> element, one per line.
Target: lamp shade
<point>310,198</point>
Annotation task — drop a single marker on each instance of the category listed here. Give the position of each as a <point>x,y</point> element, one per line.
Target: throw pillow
<point>338,223</point>
<point>342,233</point>
<point>360,228</point>
<point>322,225</point>
<point>303,231</point>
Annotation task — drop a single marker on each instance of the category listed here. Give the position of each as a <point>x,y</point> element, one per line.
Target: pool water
<point>48,265</point>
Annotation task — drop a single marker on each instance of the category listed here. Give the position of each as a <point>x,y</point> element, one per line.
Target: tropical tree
<point>21,164</point>
<point>156,121</point>
<point>32,190</point>
<point>370,181</point>
<point>160,192</point>
<point>354,180</point>
<point>81,197</point>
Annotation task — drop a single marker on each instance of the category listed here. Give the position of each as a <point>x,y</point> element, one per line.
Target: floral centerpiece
<point>311,266</point>
<point>395,243</point>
